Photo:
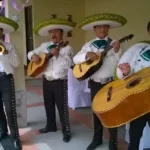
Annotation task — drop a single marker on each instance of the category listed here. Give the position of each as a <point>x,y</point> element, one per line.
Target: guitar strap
<point>108,44</point>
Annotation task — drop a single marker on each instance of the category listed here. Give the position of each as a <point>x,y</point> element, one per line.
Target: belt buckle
<point>49,78</point>
<point>105,80</point>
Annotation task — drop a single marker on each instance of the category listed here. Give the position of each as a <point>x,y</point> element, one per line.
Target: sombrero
<point>113,20</point>
<point>8,25</point>
<point>43,27</point>
<point>147,42</point>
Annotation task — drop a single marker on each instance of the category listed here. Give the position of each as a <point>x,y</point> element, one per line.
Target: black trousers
<point>136,130</point>
<point>97,125</point>
<point>8,100</point>
<point>55,92</point>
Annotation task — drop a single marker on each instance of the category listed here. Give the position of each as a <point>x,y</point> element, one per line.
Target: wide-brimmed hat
<point>43,27</point>
<point>113,20</point>
<point>8,25</point>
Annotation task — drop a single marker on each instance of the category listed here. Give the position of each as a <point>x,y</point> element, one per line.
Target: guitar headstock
<point>126,38</point>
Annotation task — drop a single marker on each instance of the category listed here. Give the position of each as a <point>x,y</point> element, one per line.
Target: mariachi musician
<point>8,62</point>
<point>101,23</point>
<point>135,59</point>
<point>55,75</point>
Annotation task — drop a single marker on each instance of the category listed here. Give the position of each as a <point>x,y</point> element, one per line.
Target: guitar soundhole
<point>134,83</point>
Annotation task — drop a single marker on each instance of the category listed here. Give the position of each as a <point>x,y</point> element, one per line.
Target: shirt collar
<point>106,38</point>
<point>57,43</point>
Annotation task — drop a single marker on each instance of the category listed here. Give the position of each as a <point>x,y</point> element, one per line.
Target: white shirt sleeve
<point>80,57</point>
<point>65,60</point>
<point>119,53</point>
<point>128,57</point>
<point>12,57</point>
<point>37,51</point>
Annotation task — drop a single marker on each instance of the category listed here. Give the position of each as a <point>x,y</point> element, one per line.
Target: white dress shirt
<point>9,61</point>
<point>57,67</point>
<point>109,64</point>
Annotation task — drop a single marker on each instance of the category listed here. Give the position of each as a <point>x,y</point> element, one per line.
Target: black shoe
<point>17,144</point>
<point>94,145</point>
<point>66,138</point>
<point>46,130</point>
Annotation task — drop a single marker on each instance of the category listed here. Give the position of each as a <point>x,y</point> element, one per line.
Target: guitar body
<point>86,69</point>
<point>34,69</point>
<point>122,101</point>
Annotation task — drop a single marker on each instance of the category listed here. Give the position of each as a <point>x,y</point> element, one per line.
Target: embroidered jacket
<point>138,56</point>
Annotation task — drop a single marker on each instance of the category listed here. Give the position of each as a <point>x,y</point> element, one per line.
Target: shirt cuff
<point>124,77</point>
<point>30,55</point>
<point>118,54</point>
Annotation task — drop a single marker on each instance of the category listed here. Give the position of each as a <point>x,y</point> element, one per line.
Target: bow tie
<point>100,44</point>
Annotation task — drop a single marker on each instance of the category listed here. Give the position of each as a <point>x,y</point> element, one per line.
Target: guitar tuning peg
<point>53,16</point>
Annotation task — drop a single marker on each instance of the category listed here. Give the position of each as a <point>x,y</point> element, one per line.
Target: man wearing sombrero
<point>8,62</point>
<point>136,58</point>
<point>55,75</point>
<point>101,23</point>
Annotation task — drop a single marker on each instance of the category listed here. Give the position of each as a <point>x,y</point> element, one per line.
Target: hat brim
<point>44,31</point>
<point>6,28</point>
<point>113,20</point>
<point>8,25</point>
<point>90,26</point>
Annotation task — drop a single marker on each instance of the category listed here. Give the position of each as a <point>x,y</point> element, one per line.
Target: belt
<point>104,80</point>
<point>53,79</point>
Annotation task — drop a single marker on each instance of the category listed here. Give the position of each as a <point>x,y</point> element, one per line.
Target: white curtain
<point>78,92</point>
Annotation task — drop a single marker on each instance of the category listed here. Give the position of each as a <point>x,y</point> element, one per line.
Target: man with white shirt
<point>8,62</point>
<point>135,59</point>
<point>55,75</point>
<point>101,23</point>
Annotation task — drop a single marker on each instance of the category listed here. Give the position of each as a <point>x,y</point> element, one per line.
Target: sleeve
<point>12,56</point>
<point>80,57</point>
<point>37,51</point>
<point>128,57</point>
<point>65,60</point>
<point>119,53</point>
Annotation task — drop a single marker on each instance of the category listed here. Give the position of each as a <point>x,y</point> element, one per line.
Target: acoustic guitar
<point>34,69</point>
<point>88,68</point>
<point>122,101</point>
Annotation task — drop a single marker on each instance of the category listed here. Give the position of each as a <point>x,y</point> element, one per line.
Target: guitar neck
<point>62,44</point>
<point>110,47</point>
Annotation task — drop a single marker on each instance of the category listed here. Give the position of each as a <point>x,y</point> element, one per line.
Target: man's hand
<point>92,56</point>
<point>35,58</point>
<point>125,68</point>
<point>116,46</point>
<point>55,52</point>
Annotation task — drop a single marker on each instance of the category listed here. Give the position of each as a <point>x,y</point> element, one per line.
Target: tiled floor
<point>80,125</point>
